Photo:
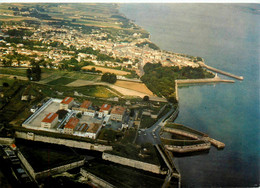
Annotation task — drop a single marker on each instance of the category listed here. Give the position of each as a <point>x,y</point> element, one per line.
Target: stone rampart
<point>133,163</point>
<point>65,142</point>
<point>186,149</point>
<point>100,182</point>
<point>182,133</point>
<point>6,141</point>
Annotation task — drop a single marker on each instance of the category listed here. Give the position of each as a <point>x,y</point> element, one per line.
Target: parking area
<point>36,122</point>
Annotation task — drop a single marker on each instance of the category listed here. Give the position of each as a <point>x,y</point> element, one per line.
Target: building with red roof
<point>71,125</point>
<point>66,103</point>
<point>50,120</point>
<point>86,104</point>
<point>104,110</point>
<point>117,113</point>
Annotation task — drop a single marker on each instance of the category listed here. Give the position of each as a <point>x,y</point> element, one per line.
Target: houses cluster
<point>84,120</point>
<point>72,40</point>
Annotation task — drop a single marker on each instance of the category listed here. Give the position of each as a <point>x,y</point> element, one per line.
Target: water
<point>227,37</point>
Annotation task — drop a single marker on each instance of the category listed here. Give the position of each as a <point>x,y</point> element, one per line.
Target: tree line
<point>161,80</point>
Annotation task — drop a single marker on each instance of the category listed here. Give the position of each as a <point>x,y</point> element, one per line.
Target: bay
<point>227,37</point>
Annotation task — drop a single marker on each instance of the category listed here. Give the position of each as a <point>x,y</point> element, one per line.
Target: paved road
<point>151,135</point>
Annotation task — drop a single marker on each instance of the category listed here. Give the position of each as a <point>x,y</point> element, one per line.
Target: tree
<point>29,73</point>
<point>5,84</point>
<point>62,113</point>
<point>109,77</point>
<point>146,98</point>
<point>34,73</point>
<point>79,115</point>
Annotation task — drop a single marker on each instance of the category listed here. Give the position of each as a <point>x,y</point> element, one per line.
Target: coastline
<point>218,110</point>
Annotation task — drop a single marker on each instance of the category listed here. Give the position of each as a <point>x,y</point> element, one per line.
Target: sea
<point>227,37</point>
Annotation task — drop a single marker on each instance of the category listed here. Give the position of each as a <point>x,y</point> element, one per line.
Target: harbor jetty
<point>216,79</point>
<point>221,72</point>
<point>200,141</point>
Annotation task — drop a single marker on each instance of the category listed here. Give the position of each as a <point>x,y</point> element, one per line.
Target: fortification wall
<point>100,182</point>
<point>65,142</point>
<point>133,163</point>
<point>6,141</point>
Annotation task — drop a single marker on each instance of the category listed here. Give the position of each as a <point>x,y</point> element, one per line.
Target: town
<point>88,100</point>
<point>52,45</point>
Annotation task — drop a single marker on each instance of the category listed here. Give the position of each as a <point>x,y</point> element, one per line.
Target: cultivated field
<point>141,87</point>
<point>104,70</point>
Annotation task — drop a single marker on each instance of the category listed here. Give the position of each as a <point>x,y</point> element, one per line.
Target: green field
<point>13,71</point>
<point>91,90</point>
<point>6,79</point>
<point>61,81</point>
<point>49,74</point>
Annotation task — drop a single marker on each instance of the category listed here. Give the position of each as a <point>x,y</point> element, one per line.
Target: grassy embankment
<point>42,156</point>
<point>118,175</point>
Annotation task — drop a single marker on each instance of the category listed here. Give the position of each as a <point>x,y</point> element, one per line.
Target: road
<point>151,135</point>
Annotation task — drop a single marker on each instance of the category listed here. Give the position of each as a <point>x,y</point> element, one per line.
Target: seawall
<point>186,149</point>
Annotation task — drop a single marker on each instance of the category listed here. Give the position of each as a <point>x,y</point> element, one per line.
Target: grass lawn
<point>147,122</point>
<point>13,71</point>
<point>61,81</point>
<point>6,79</point>
<point>132,151</point>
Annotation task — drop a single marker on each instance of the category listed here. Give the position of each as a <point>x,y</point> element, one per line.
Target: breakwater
<point>185,149</point>
<point>193,134</point>
<point>216,79</point>
<point>221,72</point>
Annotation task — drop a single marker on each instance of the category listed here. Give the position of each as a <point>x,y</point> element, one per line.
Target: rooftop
<point>50,117</point>
<point>72,123</point>
<point>105,107</point>
<point>93,128</point>
<point>67,100</point>
<point>82,128</point>
<point>86,104</point>
<point>118,110</point>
